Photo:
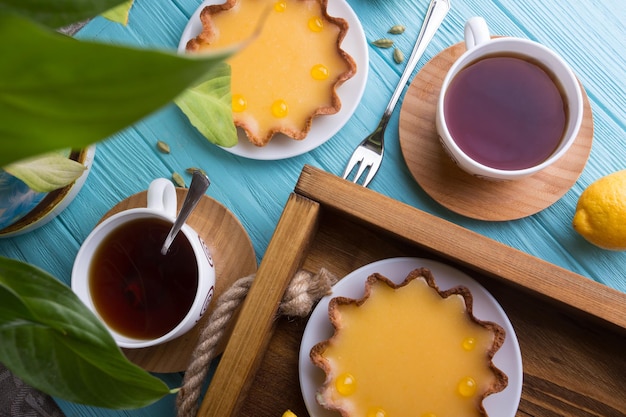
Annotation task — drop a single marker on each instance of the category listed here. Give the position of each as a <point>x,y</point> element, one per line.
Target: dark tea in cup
<point>505,112</point>
<point>139,292</point>
<point>144,298</point>
<point>508,107</point>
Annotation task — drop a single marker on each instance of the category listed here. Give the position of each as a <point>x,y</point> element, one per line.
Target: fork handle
<point>437,11</point>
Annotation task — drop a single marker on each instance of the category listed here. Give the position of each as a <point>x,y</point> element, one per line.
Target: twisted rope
<point>304,290</point>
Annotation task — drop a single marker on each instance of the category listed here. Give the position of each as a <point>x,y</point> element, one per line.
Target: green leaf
<point>81,92</point>
<point>55,344</point>
<point>208,107</point>
<point>47,172</point>
<point>57,13</point>
<point>119,13</point>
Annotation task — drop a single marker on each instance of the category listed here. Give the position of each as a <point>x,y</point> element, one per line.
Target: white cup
<point>161,205</point>
<point>479,45</point>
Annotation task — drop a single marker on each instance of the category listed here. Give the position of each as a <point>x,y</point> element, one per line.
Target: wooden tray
<point>461,192</point>
<point>234,257</point>
<point>571,330</point>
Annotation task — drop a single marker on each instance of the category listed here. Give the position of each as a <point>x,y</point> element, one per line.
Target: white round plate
<point>69,193</point>
<point>508,358</point>
<point>323,127</point>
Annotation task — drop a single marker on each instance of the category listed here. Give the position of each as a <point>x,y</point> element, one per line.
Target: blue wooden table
<point>591,36</point>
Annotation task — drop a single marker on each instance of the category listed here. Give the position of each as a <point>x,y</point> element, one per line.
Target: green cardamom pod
<point>396,29</point>
<point>383,43</point>
<point>191,170</point>
<point>398,56</point>
<point>178,179</point>
<point>163,147</point>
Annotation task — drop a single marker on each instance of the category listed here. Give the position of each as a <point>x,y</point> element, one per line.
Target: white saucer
<point>508,358</point>
<point>323,127</point>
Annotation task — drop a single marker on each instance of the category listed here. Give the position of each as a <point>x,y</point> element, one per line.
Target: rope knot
<point>304,290</point>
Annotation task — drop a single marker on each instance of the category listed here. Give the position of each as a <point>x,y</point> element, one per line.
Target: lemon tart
<point>408,349</point>
<point>289,72</point>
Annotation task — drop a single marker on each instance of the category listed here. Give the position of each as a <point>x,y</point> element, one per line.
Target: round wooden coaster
<point>234,258</point>
<point>463,193</point>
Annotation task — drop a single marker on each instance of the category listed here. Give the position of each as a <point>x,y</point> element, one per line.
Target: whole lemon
<point>601,212</point>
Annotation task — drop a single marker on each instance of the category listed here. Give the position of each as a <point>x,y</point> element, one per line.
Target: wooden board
<point>257,319</point>
<point>572,330</point>
<point>234,258</point>
<point>461,192</point>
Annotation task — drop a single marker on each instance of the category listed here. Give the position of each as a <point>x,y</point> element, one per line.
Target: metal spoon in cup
<point>199,184</point>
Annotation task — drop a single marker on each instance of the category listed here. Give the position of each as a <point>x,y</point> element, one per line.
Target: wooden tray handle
<point>255,325</point>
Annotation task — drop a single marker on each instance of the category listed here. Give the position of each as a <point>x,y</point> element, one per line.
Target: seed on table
<point>163,147</point>
<point>383,43</point>
<point>398,56</point>
<point>191,170</point>
<point>178,179</point>
<point>396,29</point>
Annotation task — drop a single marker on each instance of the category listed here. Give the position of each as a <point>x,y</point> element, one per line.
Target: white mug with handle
<point>480,46</point>
<point>146,316</point>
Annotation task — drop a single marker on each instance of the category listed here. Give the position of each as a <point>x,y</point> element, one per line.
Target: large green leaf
<point>208,107</point>
<point>57,13</point>
<point>54,343</point>
<point>57,92</point>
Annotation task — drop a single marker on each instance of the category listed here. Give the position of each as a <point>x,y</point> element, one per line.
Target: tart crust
<point>317,352</point>
<point>204,39</point>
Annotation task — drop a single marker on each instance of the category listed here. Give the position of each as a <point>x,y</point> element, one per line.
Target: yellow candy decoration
<point>467,387</point>
<point>345,384</point>
<point>316,24</point>
<point>280,6</point>
<point>239,103</point>
<point>280,109</point>
<point>319,72</point>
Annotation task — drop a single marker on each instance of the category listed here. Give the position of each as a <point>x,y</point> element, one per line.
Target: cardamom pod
<point>178,179</point>
<point>398,56</point>
<point>163,147</point>
<point>396,29</point>
<point>383,43</point>
<point>191,170</point>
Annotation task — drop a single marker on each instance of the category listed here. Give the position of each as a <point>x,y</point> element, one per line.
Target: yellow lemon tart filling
<point>408,349</point>
<point>290,71</point>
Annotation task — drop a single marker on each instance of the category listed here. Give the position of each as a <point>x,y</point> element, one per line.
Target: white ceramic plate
<point>323,127</point>
<point>67,195</point>
<point>508,358</point>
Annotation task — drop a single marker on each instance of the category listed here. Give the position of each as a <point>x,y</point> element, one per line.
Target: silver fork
<point>370,151</point>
